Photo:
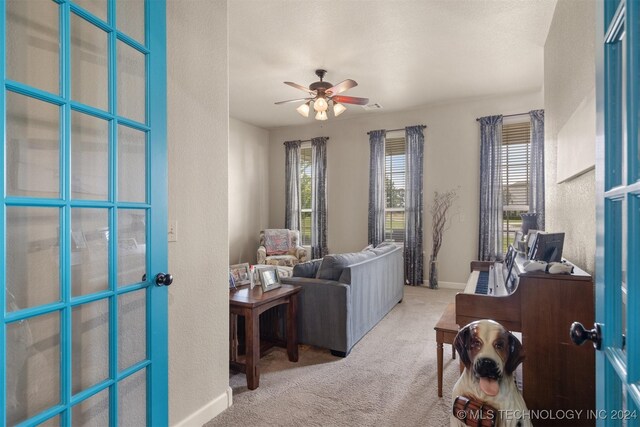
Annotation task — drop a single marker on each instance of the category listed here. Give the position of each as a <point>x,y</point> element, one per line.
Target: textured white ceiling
<point>402,53</point>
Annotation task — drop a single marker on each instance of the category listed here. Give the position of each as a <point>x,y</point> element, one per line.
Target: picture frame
<point>269,278</point>
<point>232,283</point>
<point>241,273</point>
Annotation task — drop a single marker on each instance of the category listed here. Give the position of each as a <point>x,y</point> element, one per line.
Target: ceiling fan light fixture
<point>321,115</point>
<point>320,105</point>
<point>338,108</point>
<point>303,109</point>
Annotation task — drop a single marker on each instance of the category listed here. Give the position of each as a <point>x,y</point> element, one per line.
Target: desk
<point>250,303</point>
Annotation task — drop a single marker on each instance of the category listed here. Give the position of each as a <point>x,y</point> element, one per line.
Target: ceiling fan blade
<point>350,100</point>
<point>297,86</point>
<point>341,87</point>
<point>293,100</point>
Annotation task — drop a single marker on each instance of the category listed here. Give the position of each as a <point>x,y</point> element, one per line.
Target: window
<point>516,176</point>
<point>394,183</point>
<point>305,195</point>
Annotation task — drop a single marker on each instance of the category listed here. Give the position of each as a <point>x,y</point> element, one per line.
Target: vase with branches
<point>442,203</point>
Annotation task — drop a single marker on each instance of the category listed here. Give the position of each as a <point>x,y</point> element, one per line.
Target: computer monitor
<point>547,247</point>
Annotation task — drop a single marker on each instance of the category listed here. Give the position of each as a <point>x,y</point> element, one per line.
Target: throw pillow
<point>383,248</point>
<point>307,269</point>
<point>332,265</point>
<point>276,241</point>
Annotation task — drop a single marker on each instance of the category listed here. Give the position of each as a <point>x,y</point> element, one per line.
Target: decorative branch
<point>442,202</point>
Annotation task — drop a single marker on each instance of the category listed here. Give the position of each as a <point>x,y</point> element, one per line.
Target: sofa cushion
<point>333,264</point>
<point>383,248</point>
<point>307,269</point>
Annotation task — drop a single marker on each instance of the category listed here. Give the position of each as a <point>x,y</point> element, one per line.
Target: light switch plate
<point>172,234</point>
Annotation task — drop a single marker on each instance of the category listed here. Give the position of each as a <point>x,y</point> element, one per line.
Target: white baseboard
<point>452,285</point>
<point>208,411</point>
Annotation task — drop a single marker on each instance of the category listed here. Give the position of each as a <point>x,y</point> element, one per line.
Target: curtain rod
<point>507,115</point>
<point>308,140</point>
<point>395,130</point>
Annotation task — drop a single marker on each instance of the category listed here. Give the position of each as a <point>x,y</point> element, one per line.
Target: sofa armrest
<point>324,312</point>
<point>262,255</point>
<point>302,254</point>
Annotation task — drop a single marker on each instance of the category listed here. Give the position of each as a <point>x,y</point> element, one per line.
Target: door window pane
<point>132,166</point>
<point>33,153</point>
<point>89,251</point>
<point>132,330</point>
<point>89,74</point>
<point>33,43</point>
<point>131,83</point>
<point>93,412</point>
<point>132,399</point>
<point>33,366</point>
<point>89,157</point>
<point>132,248</point>
<point>90,340</point>
<point>33,257</point>
<point>96,7</point>
<point>130,18</point>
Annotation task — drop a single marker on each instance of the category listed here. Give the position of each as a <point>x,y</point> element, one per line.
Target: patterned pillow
<point>276,242</point>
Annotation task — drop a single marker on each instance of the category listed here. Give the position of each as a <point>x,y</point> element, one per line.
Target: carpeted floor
<point>389,379</point>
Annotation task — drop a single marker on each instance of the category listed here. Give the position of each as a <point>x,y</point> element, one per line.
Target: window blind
<point>394,177</point>
<point>305,196</point>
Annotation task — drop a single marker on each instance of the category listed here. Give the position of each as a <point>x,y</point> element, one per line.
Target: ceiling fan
<point>322,93</point>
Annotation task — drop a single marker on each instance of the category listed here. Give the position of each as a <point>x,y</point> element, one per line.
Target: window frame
<point>400,135</point>
<point>508,234</point>
<point>305,146</point>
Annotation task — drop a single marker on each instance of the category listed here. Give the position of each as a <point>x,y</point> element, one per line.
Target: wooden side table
<point>446,331</point>
<point>250,303</point>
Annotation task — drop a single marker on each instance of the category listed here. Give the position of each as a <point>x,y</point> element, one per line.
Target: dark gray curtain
<point>319,197</point>
<point>376,187</point>
<point>413,206</point>
<point>490,237</point>
<point>292,185</point>
<point>536,193</point>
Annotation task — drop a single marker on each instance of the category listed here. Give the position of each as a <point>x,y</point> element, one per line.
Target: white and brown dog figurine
<point>490,355</point>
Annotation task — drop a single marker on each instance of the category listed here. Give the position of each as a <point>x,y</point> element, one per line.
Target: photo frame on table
<point>269,278</point>
<point>241,273</point>
<point>232,283</point>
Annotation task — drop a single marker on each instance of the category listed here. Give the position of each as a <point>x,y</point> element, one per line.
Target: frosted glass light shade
<point>303,110</point>
<point>321,115</point>
<point>320,105</point>
<point>338,109</point>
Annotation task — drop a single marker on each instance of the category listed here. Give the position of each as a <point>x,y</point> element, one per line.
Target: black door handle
<point>164,279</point>
<point>579,334</point>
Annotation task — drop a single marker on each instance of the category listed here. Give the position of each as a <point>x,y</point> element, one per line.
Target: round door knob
<point>579,334</point>
<point>164,279</point>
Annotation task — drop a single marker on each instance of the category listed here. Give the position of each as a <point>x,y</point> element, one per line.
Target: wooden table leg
<point>440,357</point>
<point>252,332</point>
<point>292,333</point>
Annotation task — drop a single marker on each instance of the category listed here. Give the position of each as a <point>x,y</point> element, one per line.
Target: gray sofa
<point>345,295</point>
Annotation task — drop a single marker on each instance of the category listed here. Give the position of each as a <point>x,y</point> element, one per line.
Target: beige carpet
<point>389,379</point>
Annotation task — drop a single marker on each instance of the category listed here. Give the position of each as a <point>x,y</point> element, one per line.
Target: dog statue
<point>490,354</point>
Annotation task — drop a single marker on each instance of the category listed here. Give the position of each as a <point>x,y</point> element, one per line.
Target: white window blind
<point>305,196</point>
<point>394,178</point>
<point>516,177</point>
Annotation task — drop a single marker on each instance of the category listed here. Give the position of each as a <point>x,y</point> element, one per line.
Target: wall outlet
<point>172,234</point>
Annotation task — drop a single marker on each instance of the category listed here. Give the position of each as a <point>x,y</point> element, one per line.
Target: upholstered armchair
<point>281,247</point>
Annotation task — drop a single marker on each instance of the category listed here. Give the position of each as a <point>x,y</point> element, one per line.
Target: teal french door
<point>83,117</point>
<point>618,213</point>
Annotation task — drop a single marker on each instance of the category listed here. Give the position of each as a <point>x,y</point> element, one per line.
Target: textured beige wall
<point>452,150</point>
<point>248,189</point>
<point>569,76</point>
<point>198,116</point>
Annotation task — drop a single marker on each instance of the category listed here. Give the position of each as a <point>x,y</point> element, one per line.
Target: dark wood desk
<point>250,303</point>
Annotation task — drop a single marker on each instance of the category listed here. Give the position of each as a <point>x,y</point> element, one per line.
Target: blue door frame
<point>155,364</point>
<point>618,212</point>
